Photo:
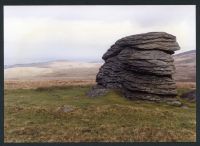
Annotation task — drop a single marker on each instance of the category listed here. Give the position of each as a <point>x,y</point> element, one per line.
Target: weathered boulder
<point>141,66</point>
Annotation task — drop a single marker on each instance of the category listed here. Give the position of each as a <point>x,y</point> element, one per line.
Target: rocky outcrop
<point>141,66</point>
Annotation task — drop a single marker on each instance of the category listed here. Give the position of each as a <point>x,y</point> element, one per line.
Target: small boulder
<point>175,103</point>
<point>97,91</point>
<point>191,95</point>
<point>64,109</point>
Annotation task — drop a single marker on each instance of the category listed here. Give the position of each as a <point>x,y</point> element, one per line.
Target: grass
<point>37,115</point>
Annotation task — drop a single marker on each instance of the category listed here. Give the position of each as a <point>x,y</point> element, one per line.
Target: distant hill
<point>52,70</point>
<point>27,65</point>
<point>46,64</point>
<point>62,69</point>
<point>185,66</point>
<point>38,64</point>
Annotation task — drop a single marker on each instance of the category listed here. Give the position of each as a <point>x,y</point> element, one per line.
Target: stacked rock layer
<point>141,66</point>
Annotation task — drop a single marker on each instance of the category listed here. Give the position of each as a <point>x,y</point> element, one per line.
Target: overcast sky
<point>43,33</point>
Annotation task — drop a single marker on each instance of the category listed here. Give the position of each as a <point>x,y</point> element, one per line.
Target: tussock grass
<point>37,115</point>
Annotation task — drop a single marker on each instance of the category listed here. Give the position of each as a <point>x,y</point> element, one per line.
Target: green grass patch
<point>66,114</point>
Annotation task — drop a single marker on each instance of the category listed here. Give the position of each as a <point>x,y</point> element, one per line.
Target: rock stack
<point>141,66</point>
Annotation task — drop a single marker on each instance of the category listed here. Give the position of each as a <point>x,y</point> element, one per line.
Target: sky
<point>85,33</point>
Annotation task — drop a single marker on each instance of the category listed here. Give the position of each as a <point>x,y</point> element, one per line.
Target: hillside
<point>185,66</point>
<point>52,70</point>
<point>185,69</point>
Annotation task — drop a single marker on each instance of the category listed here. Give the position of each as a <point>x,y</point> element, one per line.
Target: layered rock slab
<point>141,66</point>
<point>146,41</point>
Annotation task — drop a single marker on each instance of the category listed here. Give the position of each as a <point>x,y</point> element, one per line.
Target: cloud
<point>36,33</point>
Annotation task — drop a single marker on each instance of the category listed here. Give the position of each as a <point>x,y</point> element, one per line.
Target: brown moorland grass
<point>190,85</point>
<point>33,84</point>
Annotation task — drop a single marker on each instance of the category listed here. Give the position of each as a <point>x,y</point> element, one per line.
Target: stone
<point>65,109</point>
<point>146,41</point>
<point>152,62</point>
<point>149,83</point>
<point>97,91</point>
<point>184,107</point>
<point>151,40</point>
<point>191,95</point>
<point>175,103</point>
<point>141,67</point>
